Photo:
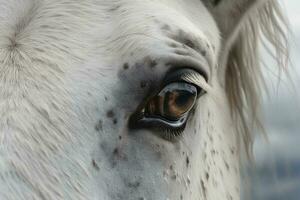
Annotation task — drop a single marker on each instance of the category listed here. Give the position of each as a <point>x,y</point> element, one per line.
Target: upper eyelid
<point>196,79</point>
<point>190,75</point>
<point>198,64</point>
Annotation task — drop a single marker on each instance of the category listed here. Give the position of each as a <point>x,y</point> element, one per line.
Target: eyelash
<point>171,134</point>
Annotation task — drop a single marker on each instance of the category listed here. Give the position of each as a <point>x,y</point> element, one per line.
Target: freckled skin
<point>72,73</point>
<point>125,66</point>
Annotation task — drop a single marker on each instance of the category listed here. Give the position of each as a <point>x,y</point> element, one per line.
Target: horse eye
<point>172,102</point>
<point>167,111</point>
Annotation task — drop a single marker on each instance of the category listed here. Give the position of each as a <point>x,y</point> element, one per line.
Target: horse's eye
<point>167,111</point>
<point>172,102</point>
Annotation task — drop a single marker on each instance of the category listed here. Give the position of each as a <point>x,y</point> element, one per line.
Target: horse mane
<point>266,27</point>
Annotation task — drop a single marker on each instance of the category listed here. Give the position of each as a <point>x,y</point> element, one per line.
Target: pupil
<point>178,102</point>
<point>183,99</point>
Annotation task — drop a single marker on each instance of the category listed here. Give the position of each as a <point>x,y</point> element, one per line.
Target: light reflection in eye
<point>174,101</point>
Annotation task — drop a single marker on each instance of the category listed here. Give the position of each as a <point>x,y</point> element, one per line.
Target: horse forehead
<point>190,16</point>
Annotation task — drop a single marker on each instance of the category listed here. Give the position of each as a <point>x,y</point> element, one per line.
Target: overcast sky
<point>282,109</point>
<point>277,172</point>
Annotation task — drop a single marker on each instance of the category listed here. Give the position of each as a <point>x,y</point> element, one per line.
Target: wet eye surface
<point>173,102</point>
<point>166,112</point>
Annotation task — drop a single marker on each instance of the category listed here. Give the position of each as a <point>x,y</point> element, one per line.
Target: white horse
<point>130,99</point>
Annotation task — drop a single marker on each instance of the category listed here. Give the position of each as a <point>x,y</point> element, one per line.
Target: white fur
<point>61,75</point>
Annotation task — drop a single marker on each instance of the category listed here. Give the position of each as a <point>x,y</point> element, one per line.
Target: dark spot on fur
<point>106,98</point>
<point>206,175</point>
<point>203,53</point>
<point>115,121</point>
<point>213,152</point>
<point>143,84</point>
<point>120,137</point>
<point>118,156</point>
<point>125,66</point>
<point>188,180</point>
<point>227,165</point>
<point>110,114</point>
<point>203,189</point>
<point>187,160</point>
<point>181,197</point>
<point>95,165</point>
<point>232,150</point>
<point>116,151</point>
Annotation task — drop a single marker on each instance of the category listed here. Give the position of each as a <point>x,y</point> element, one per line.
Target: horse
<point>131,99</point>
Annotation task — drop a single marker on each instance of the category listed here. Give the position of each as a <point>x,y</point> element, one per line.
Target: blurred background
<point>276,175</point>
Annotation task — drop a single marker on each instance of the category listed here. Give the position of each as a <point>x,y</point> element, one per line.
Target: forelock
<point>245,84</point>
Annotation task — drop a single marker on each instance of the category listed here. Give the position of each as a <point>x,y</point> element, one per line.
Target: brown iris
<point>173,102</point>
